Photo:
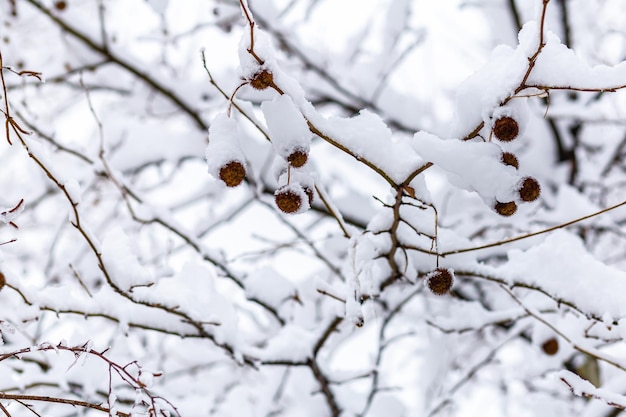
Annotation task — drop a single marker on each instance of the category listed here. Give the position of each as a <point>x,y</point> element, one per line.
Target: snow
<point>562,267</point>
<point>288,129</point>
<point>473,166</point>
<point>365,135</point>
<point>248,65</point>
<point>369,138</point>
<point>582,387</point>
<point>481,93</point>
<point>354,311</point>
<point>268,286</point>
<point>291,343</point>
<point>224,138</point>
<point>121,262</point>
<point>73,189</point>
<point>558,66</point>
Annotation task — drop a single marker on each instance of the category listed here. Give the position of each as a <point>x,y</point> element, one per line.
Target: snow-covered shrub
<point>455,175</point>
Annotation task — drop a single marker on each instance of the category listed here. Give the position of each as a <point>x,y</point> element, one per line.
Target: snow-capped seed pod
<point>440,281</point>
<point>505,209</point>
<point>298,158</point>
<point>288,130</point>
<point>300,176</point>
<point>529,189</point>
<point>506,129</point>
<point>224,157</point>
<point>233,173</point>
<point>292,199</point>
<point>261,80</point>
<point>508,122</point>
<point>259,76</point>
<point>510,159</point>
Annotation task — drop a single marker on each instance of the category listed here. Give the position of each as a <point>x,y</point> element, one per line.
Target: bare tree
<point>273,207</point>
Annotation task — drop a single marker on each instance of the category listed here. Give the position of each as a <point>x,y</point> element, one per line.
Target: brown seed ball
<point>510,159</point>
<point>530,189</point>
<point>550,346</point>
<point>506,209</point>
<point>261,80</point>
<point>506,129</point>
<point>297,158</point>
<point>440,281</point>
<point>3,281</point>
<point>287,200</point>
<point>233,173</point>
<point>60,5</point>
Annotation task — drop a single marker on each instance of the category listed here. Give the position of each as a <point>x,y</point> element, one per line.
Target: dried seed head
<point>506,129</point>
<point>287,200</point>
<point>3,281</point>
<point>60,5</point>
<point>440,281</point>
<point>550,346</point>
<point>505,209</point>
<point>261,80</point>
<point>529,189</point>
<point>233,173</point>
<point>297,158</point>
<point>510,159</point>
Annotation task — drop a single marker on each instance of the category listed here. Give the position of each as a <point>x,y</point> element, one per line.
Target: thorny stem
<point>122,371</point>
<point>67,401</point>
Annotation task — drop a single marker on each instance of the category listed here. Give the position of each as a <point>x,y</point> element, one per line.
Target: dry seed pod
<point>233,173</point>
<point>440,281</point>
<point>60,5</point>
<point>261,80</point>
<point>510,159</point>
<point>288,200</point>
<point>505,209</point>
<point>529,189</point>
<point>297,158</point>
<point>505,129</point>
<point>550,346</point>
<point>3,281</point>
